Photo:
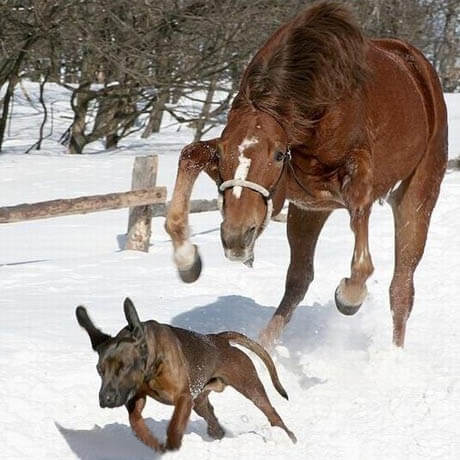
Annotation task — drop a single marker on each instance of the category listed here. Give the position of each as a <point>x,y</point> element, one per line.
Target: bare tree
<point>127,62</point>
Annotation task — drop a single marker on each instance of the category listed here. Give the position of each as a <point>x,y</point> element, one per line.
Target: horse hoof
<point>346,303</point>
<point>347,310</point>
<point>191,274</point>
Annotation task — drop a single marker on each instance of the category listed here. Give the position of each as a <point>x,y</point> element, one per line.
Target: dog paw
<point>216,432</point>
<point>169,446</point>
<point>292,436</point>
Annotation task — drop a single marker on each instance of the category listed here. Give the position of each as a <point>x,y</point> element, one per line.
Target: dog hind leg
<point>204,409</point>
<point>243,377</point>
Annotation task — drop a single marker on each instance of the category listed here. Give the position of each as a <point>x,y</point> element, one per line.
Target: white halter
<point>253,186</point>
<point>267,195</point>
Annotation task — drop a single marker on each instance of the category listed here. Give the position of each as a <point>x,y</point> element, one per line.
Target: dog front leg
<point>178,423</point>
<point>135,408</point>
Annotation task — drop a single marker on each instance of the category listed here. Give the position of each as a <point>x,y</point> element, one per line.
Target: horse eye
<point>279,156</point>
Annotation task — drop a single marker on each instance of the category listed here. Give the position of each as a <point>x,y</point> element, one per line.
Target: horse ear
<point>96,336</point>
<point>132,317</point>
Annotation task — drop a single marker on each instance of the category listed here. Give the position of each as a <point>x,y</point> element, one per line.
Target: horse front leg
<point>352,291</point>
<point>194,158</point>
<point>357,180</point>
<point>303,229</point>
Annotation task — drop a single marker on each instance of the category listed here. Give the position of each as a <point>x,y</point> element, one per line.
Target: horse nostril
<point>249,235</point>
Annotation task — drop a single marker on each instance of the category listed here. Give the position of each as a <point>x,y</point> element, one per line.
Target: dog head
<point>122,359</point>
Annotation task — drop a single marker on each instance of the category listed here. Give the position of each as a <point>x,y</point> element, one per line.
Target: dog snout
<point>108,398</point>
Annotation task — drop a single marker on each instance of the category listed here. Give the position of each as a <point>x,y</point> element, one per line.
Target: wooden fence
<point>145,201</point>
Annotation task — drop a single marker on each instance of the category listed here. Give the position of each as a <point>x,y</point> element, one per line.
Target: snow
<point>351,394</point>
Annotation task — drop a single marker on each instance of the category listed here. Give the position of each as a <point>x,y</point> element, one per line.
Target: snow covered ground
<point>352,396</point>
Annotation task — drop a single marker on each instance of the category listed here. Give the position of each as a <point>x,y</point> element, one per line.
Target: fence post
<point>140,217</point>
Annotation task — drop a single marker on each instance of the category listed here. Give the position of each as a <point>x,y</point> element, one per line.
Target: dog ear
<point>96,336</point>
<point>132,317</point>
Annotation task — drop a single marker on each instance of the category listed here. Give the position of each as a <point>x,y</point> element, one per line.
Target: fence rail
<point>145,201</point>
<point>81,205</point>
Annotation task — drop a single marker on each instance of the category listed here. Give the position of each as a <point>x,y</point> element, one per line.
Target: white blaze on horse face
<point>242,170</point>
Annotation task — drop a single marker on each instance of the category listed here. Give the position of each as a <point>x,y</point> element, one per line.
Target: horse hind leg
<point>412,204</point>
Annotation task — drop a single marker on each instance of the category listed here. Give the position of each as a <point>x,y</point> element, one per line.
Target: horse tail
<point>246,342</point>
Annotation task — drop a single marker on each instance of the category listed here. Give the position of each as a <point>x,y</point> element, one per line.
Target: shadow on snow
<point>312,328</point>
<point>116,441</point>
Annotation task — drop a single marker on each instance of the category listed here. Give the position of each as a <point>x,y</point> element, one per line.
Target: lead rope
<point>297,180</point>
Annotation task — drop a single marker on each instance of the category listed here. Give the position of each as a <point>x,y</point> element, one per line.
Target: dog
<point>177,367</point>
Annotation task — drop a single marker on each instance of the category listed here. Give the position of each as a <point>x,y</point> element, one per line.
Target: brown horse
<point>326,119</point>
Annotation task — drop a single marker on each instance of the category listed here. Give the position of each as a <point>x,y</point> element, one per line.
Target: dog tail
<point>246,342</point>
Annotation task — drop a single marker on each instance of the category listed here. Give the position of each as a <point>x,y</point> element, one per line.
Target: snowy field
<point>352,396</point>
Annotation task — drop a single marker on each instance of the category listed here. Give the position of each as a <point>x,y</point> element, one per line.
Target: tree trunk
<point>450,48</point>
<point>6,107</point>
<point>81,98</point>
<point>156,115</point>
<point>45,110</point>
<point>205,111</point>
<point>111,141</point>
<point>176,95</point>
<point>13,78</point>
<point>80,105</point>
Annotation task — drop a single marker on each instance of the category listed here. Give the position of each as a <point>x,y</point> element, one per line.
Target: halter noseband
<point>266,194</point>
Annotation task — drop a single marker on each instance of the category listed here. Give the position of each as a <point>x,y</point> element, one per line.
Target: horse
<point>324,118</point>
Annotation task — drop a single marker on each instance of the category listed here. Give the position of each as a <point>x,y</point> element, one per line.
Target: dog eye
<point>279,156</point>
<point>116,369</point>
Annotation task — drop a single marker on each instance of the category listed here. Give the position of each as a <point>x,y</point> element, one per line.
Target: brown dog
<point>178,367</point>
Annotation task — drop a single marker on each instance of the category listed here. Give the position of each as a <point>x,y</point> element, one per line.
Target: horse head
<point>252,156</point>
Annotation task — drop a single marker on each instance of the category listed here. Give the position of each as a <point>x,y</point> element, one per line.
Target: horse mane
<point>306,66</point>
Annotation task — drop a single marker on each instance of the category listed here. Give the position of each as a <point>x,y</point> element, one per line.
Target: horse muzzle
<point>238,242</point>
